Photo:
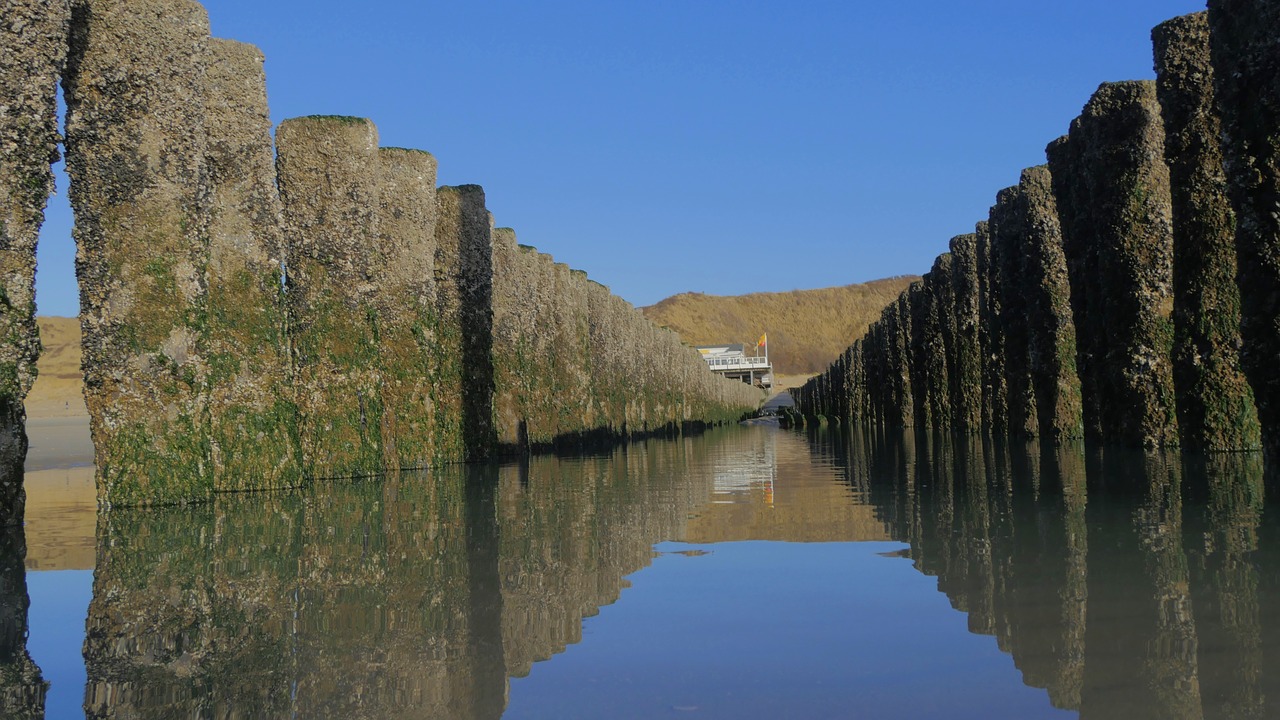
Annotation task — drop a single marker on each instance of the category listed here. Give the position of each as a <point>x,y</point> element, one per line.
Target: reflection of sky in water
<point>775,630</point>
<point>59,605</point>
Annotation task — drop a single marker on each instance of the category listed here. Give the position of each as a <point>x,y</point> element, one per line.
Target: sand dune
<point>807,328</point>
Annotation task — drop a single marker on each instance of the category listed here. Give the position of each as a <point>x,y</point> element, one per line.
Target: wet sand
<point>62,507</point>
<point>60,442</point>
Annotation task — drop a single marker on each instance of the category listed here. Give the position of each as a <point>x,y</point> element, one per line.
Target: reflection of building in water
<point>1135,603</point>
<point>769,486</point>
<point>752,468</point>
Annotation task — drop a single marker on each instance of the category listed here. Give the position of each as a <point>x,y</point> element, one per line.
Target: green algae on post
<point>254,441</point>
<point>135,154</point>
<point>329,186</point>
<point>408,329</point>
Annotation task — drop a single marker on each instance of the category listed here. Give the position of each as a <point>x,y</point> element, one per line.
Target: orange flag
<point>764,340</point>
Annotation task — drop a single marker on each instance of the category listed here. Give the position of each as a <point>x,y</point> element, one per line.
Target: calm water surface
<point>747,573</point>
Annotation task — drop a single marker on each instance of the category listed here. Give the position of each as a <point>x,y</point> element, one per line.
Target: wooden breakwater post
<point>135,88</point>
<point>1246,71</point>
<point>966,379</point>
<point>995,397</point>
<point>1007,223</point>
<point>253,435</point>
<point>410,355</point>
<point>329,185</point>
<point>1111,175</point>
<point>1216,409</point>
<point>1102,295</point>
<point>1051,332</point>
<point>464,301</point>
<point>33,49</point>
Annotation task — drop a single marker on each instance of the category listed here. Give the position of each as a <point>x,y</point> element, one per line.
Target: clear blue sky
<point>699,145</point>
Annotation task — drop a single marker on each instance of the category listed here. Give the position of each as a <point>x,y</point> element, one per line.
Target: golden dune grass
<point>807,329</point>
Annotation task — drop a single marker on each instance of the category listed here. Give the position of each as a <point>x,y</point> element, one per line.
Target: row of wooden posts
<point>1128,291</point>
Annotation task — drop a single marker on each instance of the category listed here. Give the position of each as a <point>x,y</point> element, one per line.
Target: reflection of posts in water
<point>576,527</point>
<point>852,453</point>
<point>1222,538</point>
<point>934,483</point>
<point>935,498</point>
<point>386,585</point>
<point>1036,531</point>
<point>998,507</point>
<point>975,529</point>
<point>999,470</point>
<point>1039,553</point>
<point>347,601</point>
<point>1025,476</point>
<point>13,453</point>
<point>196,608</point>
<point>890,456</point>
<point>1026,548</point>
<point>1141,638</point>
<point>1069,473</point>
<point>1150,624</point>
<point>376,598</point>
<point>1008,549</point>
<point>22,689</point>
<point>1268,591</point>
<point>901,460</point>
<point>953,526</point>
<point>1009,467</point>
<point>1172,660</point>
<point>484,586</point>
<point>960,549</point>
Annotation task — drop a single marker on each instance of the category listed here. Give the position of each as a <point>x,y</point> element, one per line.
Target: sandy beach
<point>58,388</point>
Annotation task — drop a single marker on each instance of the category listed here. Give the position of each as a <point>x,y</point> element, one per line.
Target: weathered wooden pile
<point>257,315</point>
<point>1127,292</point>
